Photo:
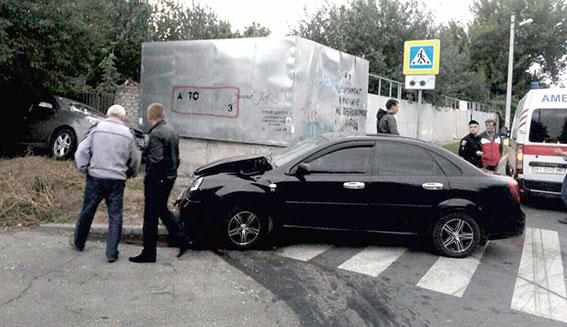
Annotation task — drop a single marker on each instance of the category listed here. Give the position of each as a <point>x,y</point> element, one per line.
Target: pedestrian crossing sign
<point>421,57</point>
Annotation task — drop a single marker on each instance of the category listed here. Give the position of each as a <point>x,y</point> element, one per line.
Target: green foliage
<point>72,46</point>
<point>543,42</point>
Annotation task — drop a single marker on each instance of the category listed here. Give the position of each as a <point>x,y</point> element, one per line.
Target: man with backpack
<point>385,121</point>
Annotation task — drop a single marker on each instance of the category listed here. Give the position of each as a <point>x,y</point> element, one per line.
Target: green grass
<point>453,147</point>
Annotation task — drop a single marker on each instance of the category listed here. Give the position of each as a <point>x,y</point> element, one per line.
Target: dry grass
<point>37,190</point>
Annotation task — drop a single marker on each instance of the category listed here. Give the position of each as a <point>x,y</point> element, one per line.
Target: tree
<point>253,30</point>
<point>542,42</point>
<point>110,75</point>
<point>457,77</point>
<point>375,29</point>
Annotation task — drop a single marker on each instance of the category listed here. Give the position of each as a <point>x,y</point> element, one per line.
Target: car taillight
<point>514,190</point>
<point>520,160</point>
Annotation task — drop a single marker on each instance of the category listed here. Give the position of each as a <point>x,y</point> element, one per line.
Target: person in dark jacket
<point>388,123</point>
<point>161,157</point>
<point>470,147</point>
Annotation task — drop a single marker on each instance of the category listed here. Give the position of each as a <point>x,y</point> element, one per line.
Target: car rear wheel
<point>63,144</point>
<point>456,235</point>
<point>244,228</point>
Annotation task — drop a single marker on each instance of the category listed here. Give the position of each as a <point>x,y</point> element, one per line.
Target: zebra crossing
<point>540,281</point>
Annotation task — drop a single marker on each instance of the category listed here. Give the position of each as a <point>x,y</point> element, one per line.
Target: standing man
<point>108,155</point>
<point>470,148</point>
<point>491,145</point>
<point>161,157</point>
<point>388,123</point>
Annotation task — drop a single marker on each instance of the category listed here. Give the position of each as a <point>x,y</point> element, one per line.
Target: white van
<point>538,131</point>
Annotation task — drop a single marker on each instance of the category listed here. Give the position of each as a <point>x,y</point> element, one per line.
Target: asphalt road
<point>308,279</point>
<point>358,280</point>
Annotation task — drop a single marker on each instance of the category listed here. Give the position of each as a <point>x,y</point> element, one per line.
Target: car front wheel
<point>244,228</point>
<point>456,235</point>
<point>63,144</point>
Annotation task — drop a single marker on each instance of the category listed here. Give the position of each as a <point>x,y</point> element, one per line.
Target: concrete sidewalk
<point>46,283</point>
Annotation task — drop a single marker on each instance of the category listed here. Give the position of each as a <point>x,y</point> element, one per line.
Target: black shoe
<point>112,259</point>
<point>74,245</point>
<point>143,258</point>
<point>563,220</point>
<point>184,247</point>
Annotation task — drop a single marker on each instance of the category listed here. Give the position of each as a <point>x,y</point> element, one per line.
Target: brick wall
<point>128,96</point>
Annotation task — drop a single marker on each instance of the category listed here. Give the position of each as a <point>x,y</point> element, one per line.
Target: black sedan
<point>381,184</point>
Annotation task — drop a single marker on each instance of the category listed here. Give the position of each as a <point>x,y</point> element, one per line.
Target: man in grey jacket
<point>108,155</point>
<point>388,123</point>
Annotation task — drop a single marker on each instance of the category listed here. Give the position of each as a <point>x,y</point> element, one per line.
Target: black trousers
<point>156,193</point>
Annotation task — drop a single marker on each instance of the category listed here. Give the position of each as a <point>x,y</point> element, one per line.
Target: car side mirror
<point>303,169</point>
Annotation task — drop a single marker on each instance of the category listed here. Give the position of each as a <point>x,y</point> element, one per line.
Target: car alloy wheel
<point>63,144</point>
<point>456,235</point>
<point>244,228</point>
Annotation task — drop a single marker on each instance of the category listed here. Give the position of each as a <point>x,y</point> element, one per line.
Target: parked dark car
<point>59,124</point>
<point>383,184</point>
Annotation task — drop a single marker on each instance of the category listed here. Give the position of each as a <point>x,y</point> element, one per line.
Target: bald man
<point>108,155</point>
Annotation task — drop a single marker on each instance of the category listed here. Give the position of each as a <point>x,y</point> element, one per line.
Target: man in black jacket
<point>161,157</point>
<point>470,147</point>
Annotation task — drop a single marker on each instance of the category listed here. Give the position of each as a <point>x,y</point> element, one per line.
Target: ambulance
<point>539,133</point>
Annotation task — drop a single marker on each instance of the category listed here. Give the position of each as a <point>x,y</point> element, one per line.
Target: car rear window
<point>549,126</point>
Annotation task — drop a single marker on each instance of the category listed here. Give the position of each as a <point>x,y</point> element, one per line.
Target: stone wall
<point>128,95</point>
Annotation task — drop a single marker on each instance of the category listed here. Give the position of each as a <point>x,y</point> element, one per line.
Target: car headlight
<point>196,184</point>
<point>93,120</point>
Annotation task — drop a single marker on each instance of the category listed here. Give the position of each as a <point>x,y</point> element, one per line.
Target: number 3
<point>229,108</point>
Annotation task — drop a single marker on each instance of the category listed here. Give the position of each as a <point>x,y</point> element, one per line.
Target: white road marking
<point>373,260</point>
<point>451,276</point>
<point>540,284</point>
<point>303,252</point>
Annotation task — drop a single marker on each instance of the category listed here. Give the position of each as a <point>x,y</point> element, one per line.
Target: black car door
<point>408,186</point>
<point>39,121</point>
<point>333,193</point>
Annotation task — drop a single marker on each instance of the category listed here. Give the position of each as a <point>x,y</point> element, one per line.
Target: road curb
<point>99,231</point>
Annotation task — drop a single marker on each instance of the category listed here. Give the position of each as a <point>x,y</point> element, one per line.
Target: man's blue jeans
<point>112,191</point>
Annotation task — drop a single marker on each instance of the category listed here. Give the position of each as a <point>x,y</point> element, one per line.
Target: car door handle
<point>433,186</point>
<point>354,185</point>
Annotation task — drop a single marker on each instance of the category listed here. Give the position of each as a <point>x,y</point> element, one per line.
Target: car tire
<point>63,144</point>
<point>244,228</point>
<point>449,235</point>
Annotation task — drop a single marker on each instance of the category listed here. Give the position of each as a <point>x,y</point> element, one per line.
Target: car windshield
<point>549,126</point>
<point>297,150</point>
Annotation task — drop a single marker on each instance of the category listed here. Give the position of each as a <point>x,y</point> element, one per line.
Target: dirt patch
<point>36,190</point>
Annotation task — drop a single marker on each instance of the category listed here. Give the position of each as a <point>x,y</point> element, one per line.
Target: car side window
<point>400,159</point>
<point>351,160</point>
<point>449,168</point>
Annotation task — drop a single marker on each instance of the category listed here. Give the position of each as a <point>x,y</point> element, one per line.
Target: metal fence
<point>386,87</point>
<point>99,101</point>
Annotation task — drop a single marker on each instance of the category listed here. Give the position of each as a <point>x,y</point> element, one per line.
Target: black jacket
<point>161,156</point>
<point>468,148</point>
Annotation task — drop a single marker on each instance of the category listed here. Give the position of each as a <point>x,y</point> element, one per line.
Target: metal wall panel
<point>255,90</point>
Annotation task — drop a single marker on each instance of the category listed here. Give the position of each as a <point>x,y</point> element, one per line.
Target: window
<point>400,159</point>
<point>449,168</point>
<point>549,126</point>
<point>353,160</point>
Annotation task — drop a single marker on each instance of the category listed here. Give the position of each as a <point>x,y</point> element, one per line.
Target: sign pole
<point>419,101</point>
